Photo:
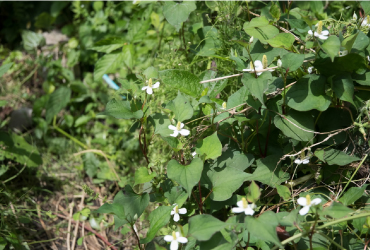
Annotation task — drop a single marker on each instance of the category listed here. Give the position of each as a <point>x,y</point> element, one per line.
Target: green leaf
<point>4,68</point>
<point>237,98</point>
<point>132,203</point>
<point>142,175</point>
<point>225,182</point>
<point>210,146</point>
<point>176,195</point>
<point>275,10</point>
<point>303,120</point>
<point>343,88</point>
<point>331,46</point>
<point>187,176</point>
<point>58,100</point>
<point>308,93</point>
<point>257,86</point>
<point>16,148</point>
<point>109,44</point>
<point>292,61</point>
<point>107,64</point>
<point>182,80</point>
<point>128,53</point>
<point>363,79</point>
<point>260,28</point>
<point>91,164</point>
<point>335,157</point>
<point>177,13</point>
<point>158,219</point>
<point>181,108</point>
<point>254,193</point>
<point>269,172</point>
<point>337,210</point>
<point>32,40</point>
<point>114,208</point>
<point>349,41</point>
<point>121,110</point>
<point>202,227</point>
<point>263,227</point>
<point>209,44</point>
<point>161,123</point>
<point>284,192</point>
<point>366,7</point>
<point>282,40</point>
<point>361,42</point>
<point>352,195</point>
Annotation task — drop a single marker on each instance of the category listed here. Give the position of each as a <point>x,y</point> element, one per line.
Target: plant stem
<point>353,175</point>
<point>137,237</point>
<point>200,198</point>
<point>67,135</point>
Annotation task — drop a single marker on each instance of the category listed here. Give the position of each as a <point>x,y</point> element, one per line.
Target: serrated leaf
<point>210,146</point>
<point>128,54</point>
<point>303,124</point>
<point>335,157</point>
<point>107,64</point>
<point>4,68</point>
<point>158,219</point>
<point>331,46</point>
<point>202,227</point>
<point>109,44</point>
<point>57,101</point>
<point>32,40</point>
<point>187,176</point>
<point>308,93</point>
<point>121,110</point>
<point>182,80</point>
<point>177,13</point>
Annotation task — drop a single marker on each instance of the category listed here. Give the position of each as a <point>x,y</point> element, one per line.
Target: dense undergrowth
<point>184,125</point>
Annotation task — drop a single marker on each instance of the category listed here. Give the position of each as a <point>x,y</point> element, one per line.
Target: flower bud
<point>354,18</point>
<point>251,40</point>
<point>279,63</point>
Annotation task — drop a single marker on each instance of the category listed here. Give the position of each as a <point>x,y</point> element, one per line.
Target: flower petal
<point>240,203</point>
<point>182,125</point>
<point>315,201</point>
<point>155,85</point>
<point>174,245</point>
<point>305,161</point>
<point>237,210</point>
<point>175,133</point>
<point>149,90</point>
<point>325,32</point>
<point>297,161</point>
<point>144,88</point>
<point>249,211</point>
<point>194,153</point>
<point>323,37</point>
<point>176,217</point>
<point>182,211</point>
<point>172,127</point>
<point>184,132</point>
<point>258,65</point>
<point>302,201</point>
<point>304,210</point>
<point>182,240</point>
<point>310,32</point>
<point>168,238</point>
<point>173,212</point>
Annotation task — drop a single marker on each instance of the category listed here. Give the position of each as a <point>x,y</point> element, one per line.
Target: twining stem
<point>353,175</point>
<point>67,135</point>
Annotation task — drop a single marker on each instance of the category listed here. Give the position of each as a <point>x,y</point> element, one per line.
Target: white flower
<point>178,129</point>
<point>194,154</point>
<point>257,65</point>
<point>343,53</point>
<point>304,161</point>
<point>150,87</point>
<point>322,35</point>
<point>176,211</point>
<point>175,238</point>
<point>307,203</point>
<point>368,58</point>
<point>354,17</point>
<point>309,70</point>
<point>365,22</point>
<point>243,206</point>
<point>279,63</point>
<point>251,40</point>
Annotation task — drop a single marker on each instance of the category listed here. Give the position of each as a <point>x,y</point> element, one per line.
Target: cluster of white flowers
<point>176,238</point>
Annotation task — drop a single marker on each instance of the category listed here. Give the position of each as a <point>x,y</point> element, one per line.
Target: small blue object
<point>110,82</point>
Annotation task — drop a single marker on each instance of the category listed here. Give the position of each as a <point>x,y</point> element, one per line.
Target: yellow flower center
<point>251,66</point>
<point>224,105</point>
<point>177,209</point>
<point>150,83</point>
<point>308,199</point>
<point>264,62</point>
<point>174,235</point>
<point>319,27</point>
<point>245,203</point>
<point>178,126</point>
